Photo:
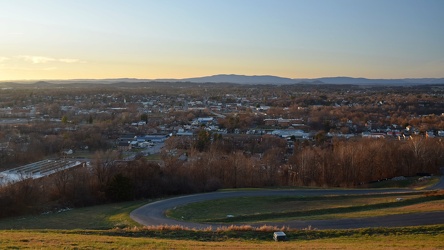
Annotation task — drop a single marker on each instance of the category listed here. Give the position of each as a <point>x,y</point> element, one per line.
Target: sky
<point>152,39</point>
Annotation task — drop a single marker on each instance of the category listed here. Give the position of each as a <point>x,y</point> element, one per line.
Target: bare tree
<point>103,166</point>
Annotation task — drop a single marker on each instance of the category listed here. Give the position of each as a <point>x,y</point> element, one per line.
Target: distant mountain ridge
<point>268,79</point>
<point>244,79</point>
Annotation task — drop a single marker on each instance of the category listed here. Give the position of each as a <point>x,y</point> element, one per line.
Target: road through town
<point>153,214</point>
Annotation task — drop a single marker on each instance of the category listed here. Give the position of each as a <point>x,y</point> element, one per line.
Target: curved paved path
<point>439,185</point>
<point>154,213</point>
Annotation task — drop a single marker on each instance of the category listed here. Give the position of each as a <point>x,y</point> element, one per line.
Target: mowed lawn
<point>110,227</point>
<point>95,217</point>
<point>250,209</point>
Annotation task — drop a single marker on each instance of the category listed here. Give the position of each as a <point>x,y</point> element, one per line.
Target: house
<point>134,144</point>
<point>288,133</point>
<point>156,137</point>
<point>263,108</point>
<point>430,134</point>
<point>373,135</point>
<point>283,122</point>
<point>124,146</point>
<point>182,132</point>
<point>128,137</point>
<point>205,120</point>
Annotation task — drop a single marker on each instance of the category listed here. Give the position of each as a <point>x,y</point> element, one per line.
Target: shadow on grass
<point>262,234</point>
<point>326,211</point>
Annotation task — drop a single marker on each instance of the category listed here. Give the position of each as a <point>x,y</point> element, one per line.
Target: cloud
<point>33,63</point>
<point>3,59</point>
<point>37,59</point>
<point>44,59</point>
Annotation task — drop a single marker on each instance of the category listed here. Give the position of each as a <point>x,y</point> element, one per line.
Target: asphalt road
<point>153,214</point>
<point>439,185</point>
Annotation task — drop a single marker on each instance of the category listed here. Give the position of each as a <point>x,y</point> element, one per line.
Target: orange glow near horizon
<point>181,39</point>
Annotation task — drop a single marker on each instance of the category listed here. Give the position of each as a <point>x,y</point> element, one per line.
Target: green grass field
<point>96,217</point>
<point>263,209</point>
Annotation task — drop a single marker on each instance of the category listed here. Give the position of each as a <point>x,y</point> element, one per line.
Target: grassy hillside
<point>284,208</point>
<point>109,226</point>
<point>97,217</point>
<point>402,238</point>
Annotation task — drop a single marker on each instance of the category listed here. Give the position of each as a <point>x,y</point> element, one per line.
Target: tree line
<point>209,162</point>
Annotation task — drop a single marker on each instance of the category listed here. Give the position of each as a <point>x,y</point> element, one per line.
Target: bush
<point>120,189</point>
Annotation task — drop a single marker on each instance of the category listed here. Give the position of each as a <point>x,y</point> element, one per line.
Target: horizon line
<point>185,78</point>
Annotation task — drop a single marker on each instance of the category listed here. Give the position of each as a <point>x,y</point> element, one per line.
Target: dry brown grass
<point>263,228</point>
<point>434,193</point>
<point>430,206</point>
<point>66,240</point>
<point>239,228</point>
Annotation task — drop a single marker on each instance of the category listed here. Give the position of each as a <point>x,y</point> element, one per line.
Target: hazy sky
<point>61,39</point>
